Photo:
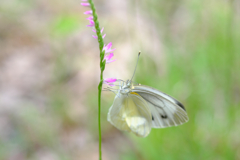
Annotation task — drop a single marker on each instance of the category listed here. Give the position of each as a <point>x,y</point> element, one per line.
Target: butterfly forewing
<point>166,111</point>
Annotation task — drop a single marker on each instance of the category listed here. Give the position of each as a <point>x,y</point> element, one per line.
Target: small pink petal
<point>110,61</point>
<point>90,18</point>
<point>107,48</point>
<point>88,12</point>
<point>102,29</point>
<point>94,30</point>
<point>109,80</point>
<point>109,45</point>
<point>104,36</point>
<point>109,56</point>
<point>91,23</point>
<point>111,50</point>
<point>95,37</point>
<point>85,4</point>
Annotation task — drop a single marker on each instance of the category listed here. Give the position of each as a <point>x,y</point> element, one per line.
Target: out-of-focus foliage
<point>49,71</point>
<point>203,60</point>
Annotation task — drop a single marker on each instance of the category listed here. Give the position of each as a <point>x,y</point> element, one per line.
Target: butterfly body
<point>138,108</point>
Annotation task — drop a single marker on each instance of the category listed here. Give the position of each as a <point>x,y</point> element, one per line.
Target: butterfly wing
<point>166,111</point>
<point>131,113</point>
<point>116,113</point>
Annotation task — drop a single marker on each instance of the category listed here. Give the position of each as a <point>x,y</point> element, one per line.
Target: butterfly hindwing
<point>116,112</point>
<point>131,113</point>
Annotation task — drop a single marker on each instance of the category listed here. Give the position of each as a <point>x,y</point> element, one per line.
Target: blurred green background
<point>49,72</point>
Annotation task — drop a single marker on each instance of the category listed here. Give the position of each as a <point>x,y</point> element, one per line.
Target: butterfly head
<point>126,87</point>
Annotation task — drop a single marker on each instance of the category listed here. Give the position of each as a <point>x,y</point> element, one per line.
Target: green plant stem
<point>102,67</point>
<point>99,116</point>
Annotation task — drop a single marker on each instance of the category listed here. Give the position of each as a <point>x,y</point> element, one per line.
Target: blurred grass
<point>64,25</point>
<point>203,62</point>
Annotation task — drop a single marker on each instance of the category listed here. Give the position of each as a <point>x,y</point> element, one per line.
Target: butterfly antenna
<point>135,66</point>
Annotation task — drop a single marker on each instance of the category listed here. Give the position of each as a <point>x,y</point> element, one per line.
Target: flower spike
<point>106,54</point>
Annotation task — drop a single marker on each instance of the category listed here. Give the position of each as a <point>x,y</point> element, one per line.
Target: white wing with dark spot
<point>166,111</point>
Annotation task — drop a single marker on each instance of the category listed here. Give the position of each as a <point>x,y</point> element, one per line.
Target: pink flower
<point>110,81</point>
<point>88,12</point>
<point>85,4</point>
<point>107,48</point>
<point>109,57</point>
<point>91,23</point>
<point>90,18</point>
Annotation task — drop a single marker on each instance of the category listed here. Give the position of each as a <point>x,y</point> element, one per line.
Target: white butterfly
<point>138,108</point>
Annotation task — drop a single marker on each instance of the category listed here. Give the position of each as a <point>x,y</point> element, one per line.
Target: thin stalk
<point>99,116</point>
<point>102,67</point>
